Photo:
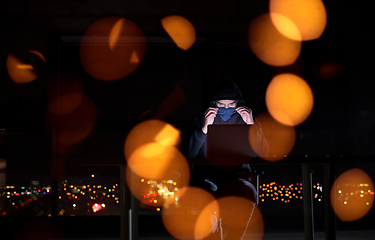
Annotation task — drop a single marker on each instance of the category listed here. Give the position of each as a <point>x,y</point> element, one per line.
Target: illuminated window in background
<point>352,195</point>
<point>80,200</point>
<point>291,192</point>
<point>289,99</point>
<point>22,196</point>
<point>112,48</point>
<point>280,138</point>
<point>149,149</point>
<point>166,168</point>
<point>180,30</point>
<point>308,16</point>
<point>269,45</point>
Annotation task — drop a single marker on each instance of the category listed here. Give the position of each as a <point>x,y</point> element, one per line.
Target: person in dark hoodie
<point>227,106</point>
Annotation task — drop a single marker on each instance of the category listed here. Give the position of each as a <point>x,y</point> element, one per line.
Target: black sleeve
<point>195,138</point>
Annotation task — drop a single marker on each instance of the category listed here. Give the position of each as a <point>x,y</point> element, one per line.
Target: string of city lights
<point>268,192</point>
<point>285,193</point>
<point>83,192</point>
<point>16,197</point>
<point>160,191</point>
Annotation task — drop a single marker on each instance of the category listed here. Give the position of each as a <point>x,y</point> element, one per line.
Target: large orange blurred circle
<point>192,216</point>
<point>352,195</point>
<point>151,131</point>
<point>156,161</point>
<point>280,138</point>
<point>240,218</point>
<point>112,48</point>
<point>309,16</point>
<point>269,45</point>
<point>289,99</point>
<point>180,30</point>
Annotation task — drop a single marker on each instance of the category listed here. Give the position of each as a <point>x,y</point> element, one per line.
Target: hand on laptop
<point>209,117</point>
<point>246,114</point>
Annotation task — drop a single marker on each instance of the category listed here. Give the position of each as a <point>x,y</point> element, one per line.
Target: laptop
<point>229,144</point>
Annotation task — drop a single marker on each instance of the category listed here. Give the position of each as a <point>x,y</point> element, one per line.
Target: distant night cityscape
<point>87,199</point>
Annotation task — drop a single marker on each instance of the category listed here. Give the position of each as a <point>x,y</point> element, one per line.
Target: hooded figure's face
<point>226,103</point>
<point>226,108</point>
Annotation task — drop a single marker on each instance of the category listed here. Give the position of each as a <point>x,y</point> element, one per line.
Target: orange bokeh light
<point>155,192</point>
<point>289,99</point>
<point>352,195</point>
<point>286,26</point>
<point>20,72</point>
<point>180,30</point>
<point>65,93</point>
<point>269,45</point>
<point>114,35</point>
<point>191,217</point>
<point>309,16</point>
<point>112,48</point>
<point>241,218</point>
<point>148,132</point>
<point>280,138</point>
<point>154,161</point>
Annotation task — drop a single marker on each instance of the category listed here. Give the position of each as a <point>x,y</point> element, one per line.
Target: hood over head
<point>227,90</point>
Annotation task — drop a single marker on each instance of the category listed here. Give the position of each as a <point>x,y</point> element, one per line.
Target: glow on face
<point>226,103</point>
